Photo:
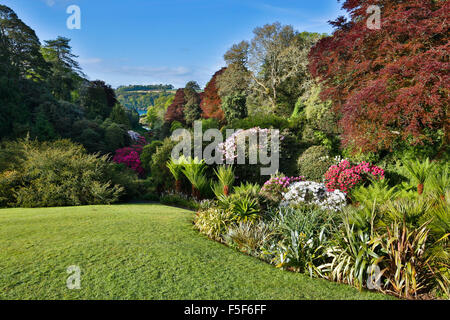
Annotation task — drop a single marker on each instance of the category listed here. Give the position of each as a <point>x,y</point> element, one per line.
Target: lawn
<point>139,251</point>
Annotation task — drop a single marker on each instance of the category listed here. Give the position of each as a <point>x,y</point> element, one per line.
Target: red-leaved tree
<point>211,102</point>
<point>175,112</point>
<point>389,85</point>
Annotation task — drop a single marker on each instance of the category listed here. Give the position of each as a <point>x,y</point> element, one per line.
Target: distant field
<point>137,252</point>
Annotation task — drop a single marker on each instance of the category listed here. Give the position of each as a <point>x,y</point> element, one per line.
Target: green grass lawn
<point>140,251</point>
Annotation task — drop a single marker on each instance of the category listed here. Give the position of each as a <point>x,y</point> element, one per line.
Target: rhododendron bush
<point>229,148</point>
<point>345,176</point>
<point>251,170</point>
<point>130,156</point>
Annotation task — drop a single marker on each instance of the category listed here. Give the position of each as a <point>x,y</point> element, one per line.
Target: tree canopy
<point>389,86</point>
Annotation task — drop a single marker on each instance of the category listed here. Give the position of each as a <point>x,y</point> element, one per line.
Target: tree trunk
<point>195,193</point>
<point>226,190</point>
<point>420,189</point>
<point>178,186</point>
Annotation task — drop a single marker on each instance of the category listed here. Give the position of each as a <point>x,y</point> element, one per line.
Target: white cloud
<point>50,3</point>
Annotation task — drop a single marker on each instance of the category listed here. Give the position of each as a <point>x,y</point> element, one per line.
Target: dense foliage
<point>59,173</point>
<point>390,85</point>
<point>211,102</point>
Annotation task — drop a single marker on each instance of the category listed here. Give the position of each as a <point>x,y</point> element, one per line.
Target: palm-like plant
<point>194,170</point>
<point>419,172</point>
<point>439,183</point>
<point>225,174</point>
<point>176,168</point>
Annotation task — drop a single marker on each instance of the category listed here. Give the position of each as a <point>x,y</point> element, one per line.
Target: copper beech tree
<point>389,85</point>
<point>175,112</point>
<point>211,102</point>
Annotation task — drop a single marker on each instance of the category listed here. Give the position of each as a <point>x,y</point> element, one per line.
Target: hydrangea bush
<point>314,193</point>
<point>345,176</point>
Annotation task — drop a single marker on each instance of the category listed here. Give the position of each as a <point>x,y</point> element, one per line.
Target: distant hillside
<point>141,97</point>
<point>151,87</point>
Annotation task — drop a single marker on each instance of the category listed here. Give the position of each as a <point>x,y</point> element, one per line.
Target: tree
<point>192,110</point>
<point>98,99</point>
<point>175,112</point>
<point>66,72</point>
<point>23,46</point>
<point>235,79</point>
<point>118,115</point>
<point>211,101</point>
<point>234,107</point>
<point>389,86</point>
<point>276,62</point>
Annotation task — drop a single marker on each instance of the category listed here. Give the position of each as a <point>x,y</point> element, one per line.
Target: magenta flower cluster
<point>130,156</point>
<point>345,176</point>
<point>274,188</point>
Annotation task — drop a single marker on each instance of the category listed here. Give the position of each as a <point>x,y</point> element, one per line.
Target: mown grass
<point>140,251</point>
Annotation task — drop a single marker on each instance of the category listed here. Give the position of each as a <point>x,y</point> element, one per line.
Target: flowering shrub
<point>345,177</point>
<point>274,188</point>
<point>129,156</point>
<point>229,147</point>
<point>137,138</point>
<point>314,193</point>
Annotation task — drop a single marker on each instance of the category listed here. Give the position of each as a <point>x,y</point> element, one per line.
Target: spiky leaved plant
<point>176,168</point>
<point>419,172</point>
<point>194,170</point>
<point>225,174</point>
<point>439,183</point>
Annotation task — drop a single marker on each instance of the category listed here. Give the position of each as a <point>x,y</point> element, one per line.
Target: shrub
<point>351,253</point>
<point>314,162</point>
<point>261,121</point>
<point>405,260</point>
<point>306,193</point>
<point>228,149</point>
<point>213,222</point>
<point>116,136</point>
<point>9,181</point>
<point>60,173</point>
<point>274,188</point>
<point>147,153</point>
<point>158,168</point>
<point>243,204</point>
<point>302,239</point>
<point>345,177</point>
<point>129,156</point>
<point>249,238</point>
<point>247,189</point>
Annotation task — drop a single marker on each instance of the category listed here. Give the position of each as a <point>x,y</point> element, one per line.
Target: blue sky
<point>165,41</point>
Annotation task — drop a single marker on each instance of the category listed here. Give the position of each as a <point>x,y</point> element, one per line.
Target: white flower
<point>309,192</point>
